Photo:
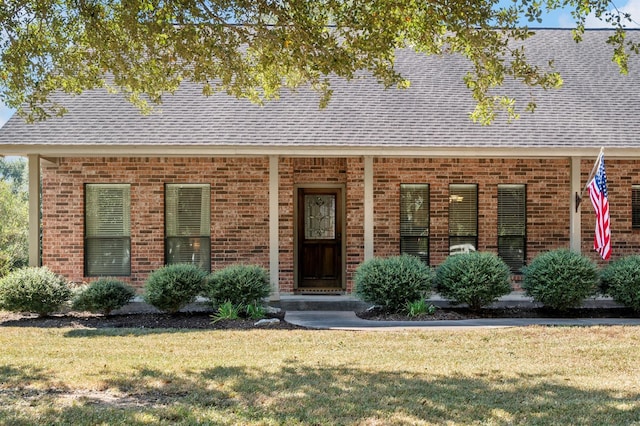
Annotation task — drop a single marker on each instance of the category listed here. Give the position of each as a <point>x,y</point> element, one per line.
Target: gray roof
<point>597,106</point>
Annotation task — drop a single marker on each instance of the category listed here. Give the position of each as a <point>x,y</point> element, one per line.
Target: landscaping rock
<point>267,322</point>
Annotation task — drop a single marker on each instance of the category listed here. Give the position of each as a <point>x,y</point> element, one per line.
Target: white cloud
<point>632,7</point>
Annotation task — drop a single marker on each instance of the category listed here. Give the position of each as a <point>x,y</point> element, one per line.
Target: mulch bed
<point>181,320</point>
<point>203,320</point>
<point>453,313</point>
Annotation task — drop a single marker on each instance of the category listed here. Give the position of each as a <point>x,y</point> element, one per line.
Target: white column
<point>34,210</point>
<point>368,208</point>
<point>274,241</point>
<point>575,229</point>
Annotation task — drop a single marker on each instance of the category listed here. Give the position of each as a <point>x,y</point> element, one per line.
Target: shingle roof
<point>596,107</point>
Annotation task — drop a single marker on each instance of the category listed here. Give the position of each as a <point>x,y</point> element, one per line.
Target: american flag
<point>600,200</point>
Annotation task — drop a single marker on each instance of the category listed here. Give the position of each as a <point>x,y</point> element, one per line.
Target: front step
<point>301,302</point>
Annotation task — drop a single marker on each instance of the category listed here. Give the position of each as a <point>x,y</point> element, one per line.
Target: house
<point>311,193</point>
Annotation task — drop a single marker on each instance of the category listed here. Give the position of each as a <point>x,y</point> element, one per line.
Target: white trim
<point>274,214</point>
<point>298,150</point>
<point>34,210</point>
<point>368,208</point>
<point>575,228</point>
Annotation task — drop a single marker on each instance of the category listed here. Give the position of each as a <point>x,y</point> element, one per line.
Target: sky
<point>556,19</point>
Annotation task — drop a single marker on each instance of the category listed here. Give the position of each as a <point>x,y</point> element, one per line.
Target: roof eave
<point>312,151</point>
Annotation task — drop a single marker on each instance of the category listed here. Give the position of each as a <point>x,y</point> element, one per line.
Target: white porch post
<point>575,229</point>
<point>368,207</point>
<point>274,241</point>
<point>34,210</point>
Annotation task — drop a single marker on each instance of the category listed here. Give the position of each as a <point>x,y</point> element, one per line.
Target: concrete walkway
<point>346,320</point>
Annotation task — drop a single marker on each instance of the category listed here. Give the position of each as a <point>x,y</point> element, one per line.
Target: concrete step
<point>319,303</point>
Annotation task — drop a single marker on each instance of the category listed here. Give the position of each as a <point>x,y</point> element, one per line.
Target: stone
<point>267,322</point>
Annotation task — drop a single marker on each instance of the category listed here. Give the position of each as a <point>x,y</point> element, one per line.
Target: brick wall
<point>625,240</point>
<point>548,200</point>
<point>239,209</point>
<point>300,172</point>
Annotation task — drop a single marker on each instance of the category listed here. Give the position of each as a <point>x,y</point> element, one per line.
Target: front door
<point>319,234</point>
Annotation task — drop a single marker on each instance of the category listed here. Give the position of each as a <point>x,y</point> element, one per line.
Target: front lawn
<point>533,375</point>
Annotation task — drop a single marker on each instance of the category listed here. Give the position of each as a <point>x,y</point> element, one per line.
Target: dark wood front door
<point>319,239</point>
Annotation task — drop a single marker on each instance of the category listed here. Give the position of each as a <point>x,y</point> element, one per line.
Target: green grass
<point>534,375</point>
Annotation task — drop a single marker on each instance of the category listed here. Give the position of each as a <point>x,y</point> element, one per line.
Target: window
<point>635,206</point>
<point>512,220</point>
<point>188,224</point>
<point>107,230</point>
<point>463,218</point>
<point>414,220</point>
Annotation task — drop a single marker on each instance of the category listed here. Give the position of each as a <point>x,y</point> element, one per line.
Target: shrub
<point>33,290</point>
<point>560,279</point>
<point>393,282</point>
<point>621,280</point>
<point>477,279</point>
<point>103,296</point>
<point>172,287</point>
<point>242,285</point>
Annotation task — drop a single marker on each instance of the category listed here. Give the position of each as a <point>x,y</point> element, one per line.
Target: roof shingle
<point>597,106</point>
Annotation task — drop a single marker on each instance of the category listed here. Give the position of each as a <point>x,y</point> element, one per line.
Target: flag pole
<point>593,171</point>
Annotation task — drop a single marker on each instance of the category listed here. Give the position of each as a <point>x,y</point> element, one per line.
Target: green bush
<point>242,285</point>
<point>103,296</point>
<point>477,279</point>
<point>172,287</point>
<point>33,290</point>
<point>560,279</point>
<point>14,227</point>
<point>393,282</point>
<point>621,280</point>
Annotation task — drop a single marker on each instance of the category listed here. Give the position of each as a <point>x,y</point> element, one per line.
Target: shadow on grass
<point>301,394</point>
<point>121,332</point>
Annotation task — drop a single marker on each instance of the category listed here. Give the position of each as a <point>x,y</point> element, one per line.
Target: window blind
<point>463,218</point>
<point>188,210</point>
<point>107,229</point>
<point>188,224</point>
<point>512,220</point>
<point>463,210</point>
<point>635,206</point>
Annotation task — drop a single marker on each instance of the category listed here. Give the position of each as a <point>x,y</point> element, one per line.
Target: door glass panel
<point>319,217</point>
